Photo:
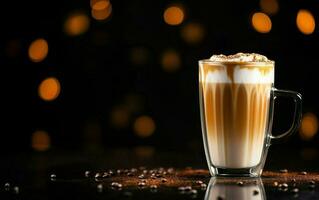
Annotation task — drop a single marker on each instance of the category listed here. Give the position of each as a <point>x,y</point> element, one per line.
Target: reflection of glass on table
<point>219,188</point>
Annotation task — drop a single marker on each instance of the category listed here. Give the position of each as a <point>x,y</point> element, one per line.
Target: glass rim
<point>269,62</point>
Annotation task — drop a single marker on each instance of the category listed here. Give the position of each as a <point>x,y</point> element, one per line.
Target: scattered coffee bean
<point>106,175</point>
<point>110,172</point>
<point>164,173</point>
<point>275,183</point>
<point>283,171</point>
<point>240,183</point>
<point>98,175</point>
<point>125,171</point>
<point>303,173</point>
<point>153,186</point>
<point>119,171</point>
<point>143,180</point>
<point>164,180</point>
<point>16,189</point>
<point>141,176</point>
<point>312,183</point>
<point>158,175</point>
<point>53,177</point>
<point>145,171</point>
<point>7,186</point>
<point>294,180</point>
<point>170,170</point>
<point>181,188</point>
<point>99,187</point>
<point>188,188</point>
<point>203,186</point>
<point>129,174</point>
<point>141,184</point>
<point>255,192</point>
<point>116,185</point>
<point>87,174</point>
<point>284,185</point>
<point>199,182</point>
<point>193,191</point>
<point>295,190</point>
<point>133,170</point>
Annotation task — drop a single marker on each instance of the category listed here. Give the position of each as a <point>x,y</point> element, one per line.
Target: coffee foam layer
<point>236,74</point>
<point>240,57</point>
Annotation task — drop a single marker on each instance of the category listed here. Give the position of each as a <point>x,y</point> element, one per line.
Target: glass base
<point>237,172</point>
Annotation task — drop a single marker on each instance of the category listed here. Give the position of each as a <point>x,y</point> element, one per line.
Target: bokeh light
<point>170,61</point>
<point>40,140</point>
<point>76,24</point>
<point>270,7</point>
<point>261,22</point>
<point>193,33</point>
<point>49,89</point>
<point>120,117</point>
<point>309,126</point>
<point>174,15</point>
<point>305,22</point>
<point>144,126</point>
<point>101,10</point>
<point>38,50</point>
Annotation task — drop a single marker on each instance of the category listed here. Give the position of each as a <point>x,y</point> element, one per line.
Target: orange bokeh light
<point>144,126</point>
<point>174,15</point>
<point>38,50</point>
<point>171,61</point>
<point>309,126</point>
<point>193,33</point>
<point>261,22</point>
<point>40,140</point>
<point>101,14</point>
<point>100,5</point>
<point>305,22</point>
<point>76,24</point>
<point>49,89</point>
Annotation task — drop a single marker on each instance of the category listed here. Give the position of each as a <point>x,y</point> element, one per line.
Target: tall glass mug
<point>236,103</point>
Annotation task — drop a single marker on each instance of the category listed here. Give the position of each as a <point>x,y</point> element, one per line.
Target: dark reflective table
<point>125,174</point>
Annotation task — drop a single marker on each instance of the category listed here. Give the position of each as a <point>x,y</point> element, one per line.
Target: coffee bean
<point>53,177</point>
<point>181,188</point>
<point>116,185</point>
<point>283,171</point>
<point>303,173</point>
<point>16,189</point>
<point>203,185</point>
<point>284,185</point>
<point>143,180</point>
<point>199,182</point>
<point>119,185</point>
<point>295,190</point>
<point>106,175</point>
<point>153,186</point>
<point>141,184</point>
<point>145,171</point>
<point>193,191</point>
<point>164,180</point>
<point>275,183</point>
<point>99,187</point>
<point>133,170</point>
<point>158,175</point>
<point>255,192</point>
<point>312,182</point>
<point>87,174</point>
<point>164,173</point>
<point>125,171</point>
<point>188,188</point>
<point>170,170</point>
<point>98,175</point>
<point>129,174</point>
<point>141,176</point>
<point>7,186</point>
<point>240,183</point>
<point>110,172</point>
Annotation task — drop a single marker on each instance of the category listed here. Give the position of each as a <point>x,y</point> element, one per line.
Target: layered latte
<point>235,97</point>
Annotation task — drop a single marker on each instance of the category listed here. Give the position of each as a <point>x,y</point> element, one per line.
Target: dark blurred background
<point>90,76</point>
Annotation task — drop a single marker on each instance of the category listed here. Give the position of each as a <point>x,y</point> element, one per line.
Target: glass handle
<point>297,114</point>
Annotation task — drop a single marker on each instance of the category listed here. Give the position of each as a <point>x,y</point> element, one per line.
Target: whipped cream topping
<point>240,57</point>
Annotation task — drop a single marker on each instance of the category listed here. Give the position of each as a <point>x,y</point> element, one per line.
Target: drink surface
<point>235,96</point>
